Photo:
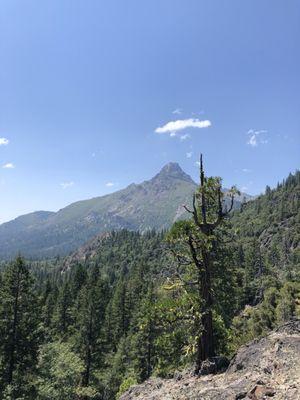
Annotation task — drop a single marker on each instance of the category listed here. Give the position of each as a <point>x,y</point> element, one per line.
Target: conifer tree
<point>18,329</point>
<point>144,346</point>
<point>90,316</point>
<point>195,245</point>
<point>62,318</point>
<point>118,318</point>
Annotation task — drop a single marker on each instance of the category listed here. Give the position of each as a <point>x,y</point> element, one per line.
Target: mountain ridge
<point>152,204</point>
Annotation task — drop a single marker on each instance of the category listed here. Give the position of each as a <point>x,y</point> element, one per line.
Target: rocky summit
<point>266,368</point>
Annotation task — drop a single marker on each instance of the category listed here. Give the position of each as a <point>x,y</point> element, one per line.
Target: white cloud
<point>197,164</point>
<point>66,185</point>
<point>3,141</point>
<point>252,140</point>
<point>180,124</point>
<point>246,170</point>
<point>246,187</point>
<point>172,134</point>
<point>185,136</point>
<point>109,184</point>
<point>8,165</point>
<point>189,154</point>
<point>255,139</point>
<point>177,111</point>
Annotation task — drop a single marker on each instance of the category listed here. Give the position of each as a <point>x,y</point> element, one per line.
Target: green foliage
<point>277,307</point>
<point>19,330</point>
<point>60,372</point>
<point>204,266</point>
<point>268,239</point>
<point>288,305</point>
<point>118,311</point>
<point>125,385</point>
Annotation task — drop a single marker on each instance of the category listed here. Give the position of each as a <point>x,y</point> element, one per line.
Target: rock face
<point>86,252</point>
<point>268,368</point>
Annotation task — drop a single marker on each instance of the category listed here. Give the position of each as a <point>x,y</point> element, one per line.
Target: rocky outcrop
<point>267,368</point>
<point>86,252</point>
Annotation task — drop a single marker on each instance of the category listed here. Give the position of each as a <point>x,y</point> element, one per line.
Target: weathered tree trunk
<point>205,344</point>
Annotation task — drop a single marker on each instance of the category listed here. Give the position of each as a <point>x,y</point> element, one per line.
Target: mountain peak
<point>173,170</point>
<point>171,167</point>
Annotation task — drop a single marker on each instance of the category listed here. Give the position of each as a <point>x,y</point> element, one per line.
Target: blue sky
<point>88,89</point>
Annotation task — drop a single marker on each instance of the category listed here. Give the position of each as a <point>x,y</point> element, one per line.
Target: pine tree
<point>60,370</point>
<point>90,317</point>
<point>144,346</point>
<point>18,329</point>
<point>196,250</point>
<point>62,318</point>
<point>253,273</point>
<point>118,317</point>
<point>287,303</point>
<point>48,302</point>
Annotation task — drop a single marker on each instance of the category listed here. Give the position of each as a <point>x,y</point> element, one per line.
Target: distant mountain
<point>153,204</point>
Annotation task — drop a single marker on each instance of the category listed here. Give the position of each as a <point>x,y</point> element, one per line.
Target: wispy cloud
<point>172,127</point>
<point>198,113</point>
<point>3,141</point>
<point>255,137</point>
<point>246,187</point>
<point>246,170</point>
<point>252,141</point>
<point>110,184</point>
<point>177,111</point>
<point>189,154</point>
<point>8,166</point>
<point>97,153</point>
<point>184,137</point>
<point>66,185</point>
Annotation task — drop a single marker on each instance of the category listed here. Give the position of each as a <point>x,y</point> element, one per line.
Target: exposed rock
<point>86,252</point>
<point>268,368</point>
<point>214,365</point>
<point>261,392</point>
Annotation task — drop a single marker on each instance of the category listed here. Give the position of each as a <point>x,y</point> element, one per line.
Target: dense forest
<point>137,306</point>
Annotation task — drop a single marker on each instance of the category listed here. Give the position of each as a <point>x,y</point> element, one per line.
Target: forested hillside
<point>153,204</point>
<point>124,307</point>
<point>273,221</point>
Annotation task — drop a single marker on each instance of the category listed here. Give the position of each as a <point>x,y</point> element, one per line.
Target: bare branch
<point>187,209</point>
<point>231,204</point>
<point>195,213</point>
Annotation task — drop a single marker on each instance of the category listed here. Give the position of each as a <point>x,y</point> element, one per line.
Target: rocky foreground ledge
<point>267,368</point>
